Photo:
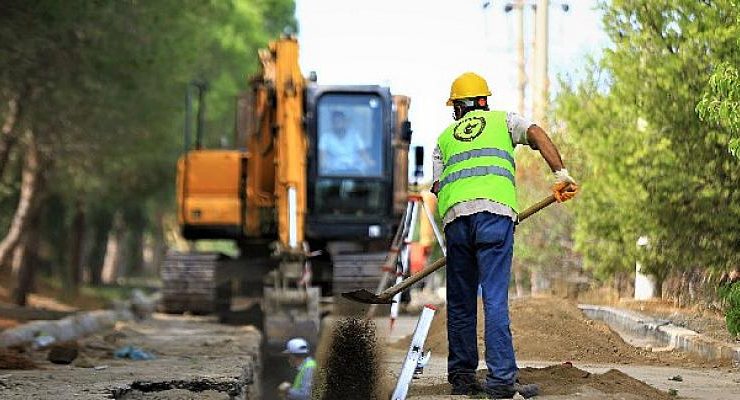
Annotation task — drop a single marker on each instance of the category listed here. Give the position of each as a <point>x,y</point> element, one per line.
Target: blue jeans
<point>479,251</point>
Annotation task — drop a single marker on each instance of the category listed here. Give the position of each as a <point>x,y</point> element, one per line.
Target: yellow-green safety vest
<point>306,365</point>
<point>478,158</point>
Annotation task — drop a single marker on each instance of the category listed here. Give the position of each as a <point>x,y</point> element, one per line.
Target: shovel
<point>386,296</point>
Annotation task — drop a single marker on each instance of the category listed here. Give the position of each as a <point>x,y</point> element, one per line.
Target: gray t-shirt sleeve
<point>437,165</point>
<point>518,126</point>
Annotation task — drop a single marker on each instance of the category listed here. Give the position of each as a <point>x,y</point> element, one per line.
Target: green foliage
<point>721,103</point>
<point>648,165</point>
<point>101,84</point>
<point>730,293</point>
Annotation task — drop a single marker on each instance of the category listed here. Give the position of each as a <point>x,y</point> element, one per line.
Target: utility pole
<point>521,62</point>
<point>518,8</point>
<point>540,44</point>
<point>541,82</point>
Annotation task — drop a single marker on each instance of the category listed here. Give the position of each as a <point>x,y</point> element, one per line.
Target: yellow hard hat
<point>468,85</point>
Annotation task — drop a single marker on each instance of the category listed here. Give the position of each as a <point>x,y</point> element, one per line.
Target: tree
<point>651,166</point>
<point>100,86</point>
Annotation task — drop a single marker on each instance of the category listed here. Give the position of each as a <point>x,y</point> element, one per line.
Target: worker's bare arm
<point>541,141</point>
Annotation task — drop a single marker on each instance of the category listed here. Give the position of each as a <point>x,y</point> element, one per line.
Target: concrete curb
<point>69,328</point>
<point>663,332</point>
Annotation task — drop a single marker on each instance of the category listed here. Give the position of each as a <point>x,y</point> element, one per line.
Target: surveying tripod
<point>398,260</point>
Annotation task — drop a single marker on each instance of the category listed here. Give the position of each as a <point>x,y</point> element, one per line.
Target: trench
<point>209,388</point>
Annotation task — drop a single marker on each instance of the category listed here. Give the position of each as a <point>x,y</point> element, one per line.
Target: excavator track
<point>357,271</point>
<point>354,271</point>
<point>191,283</point>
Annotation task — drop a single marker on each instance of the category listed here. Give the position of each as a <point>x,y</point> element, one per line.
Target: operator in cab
<point>343,149</point>
<point>299,358</point>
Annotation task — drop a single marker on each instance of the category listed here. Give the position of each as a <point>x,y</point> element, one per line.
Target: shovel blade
<point>365,296</point>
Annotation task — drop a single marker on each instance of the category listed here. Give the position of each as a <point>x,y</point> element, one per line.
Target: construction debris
<point>134,353</point>
<point>11,359</point>
<point>63,353</point>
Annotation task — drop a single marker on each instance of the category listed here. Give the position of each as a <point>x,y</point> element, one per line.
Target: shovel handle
<point>406,283</point>
<point>535,207</point>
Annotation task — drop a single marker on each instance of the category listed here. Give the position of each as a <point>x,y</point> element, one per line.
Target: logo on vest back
<point>469,129</point>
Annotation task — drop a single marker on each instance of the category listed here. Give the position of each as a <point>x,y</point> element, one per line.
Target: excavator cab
<point>350,165</point>
<point>357,175</point>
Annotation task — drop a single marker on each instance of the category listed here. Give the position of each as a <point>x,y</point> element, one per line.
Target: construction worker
<point>474,173</point>
<point>298,358</point>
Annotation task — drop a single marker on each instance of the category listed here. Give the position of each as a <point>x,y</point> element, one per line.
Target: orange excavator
<point>311,194</point>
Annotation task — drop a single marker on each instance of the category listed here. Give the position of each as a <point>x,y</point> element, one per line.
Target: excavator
<point>311,194</point>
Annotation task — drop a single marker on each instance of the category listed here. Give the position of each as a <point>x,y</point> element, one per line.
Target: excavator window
<point>350,135</point>
<point>350,157</point>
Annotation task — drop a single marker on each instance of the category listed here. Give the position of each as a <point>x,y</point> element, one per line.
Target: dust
<point>565,379</point>
<point>350,358</point>
<point>10,359</point>
<point>553,329</point>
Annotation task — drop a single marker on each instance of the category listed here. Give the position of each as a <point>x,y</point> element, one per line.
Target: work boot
<point>508,391</point>
<point>466,384</point>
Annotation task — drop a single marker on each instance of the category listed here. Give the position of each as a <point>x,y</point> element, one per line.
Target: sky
<point>418,47</point>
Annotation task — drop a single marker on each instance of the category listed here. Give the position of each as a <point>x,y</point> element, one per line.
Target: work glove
<point>565,187</point>
<point>283,388</point>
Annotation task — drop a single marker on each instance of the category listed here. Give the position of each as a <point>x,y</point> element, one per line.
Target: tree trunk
<point>75,257</point>
<point>29,180</point>
<point>159,247</point>
<point>659,286</point>
<point>113,250</point>
<point>519,279</point>
<point>21,273</point>
<point>25,259</point>
<point>9,136</point>
<point>135,223</point>
<point>103,222</point>
<point>534,281</point>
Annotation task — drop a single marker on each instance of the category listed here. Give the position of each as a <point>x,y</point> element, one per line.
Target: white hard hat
<point>296,346</point>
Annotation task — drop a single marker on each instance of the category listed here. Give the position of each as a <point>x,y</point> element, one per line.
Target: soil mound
<point>553,329</point>
<point>568,380</point>
<point>10,359</point>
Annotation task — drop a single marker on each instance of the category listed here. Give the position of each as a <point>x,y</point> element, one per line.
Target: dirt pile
<point>7,324</point>
<point>351,366</point>
<point>568,380</point>
<point>10,359</point>
<point>553,329</point>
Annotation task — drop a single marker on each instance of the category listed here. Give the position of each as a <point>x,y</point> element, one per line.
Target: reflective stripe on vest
<point>475,171</point>
<point>306,365</point>
<point>490,152</point>
<point>478,158</point>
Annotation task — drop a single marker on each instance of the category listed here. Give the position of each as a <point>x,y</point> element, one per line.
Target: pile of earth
<point>565,379</point>
<point>553,329</point>
<point>11,359</point>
